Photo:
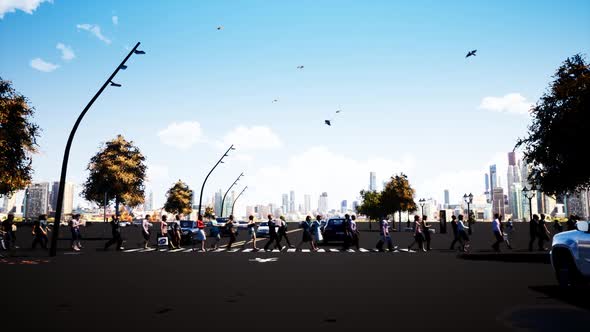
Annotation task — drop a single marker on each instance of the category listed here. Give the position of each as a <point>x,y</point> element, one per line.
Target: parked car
<point>188,230</point>
<point>262,230</point>
<point>570,256</point>
<point>334,230</point>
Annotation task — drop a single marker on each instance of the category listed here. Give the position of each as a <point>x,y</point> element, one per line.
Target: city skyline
<point>64,50</point>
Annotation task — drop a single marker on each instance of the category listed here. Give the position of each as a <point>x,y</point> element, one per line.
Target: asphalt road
<point>331,291</point>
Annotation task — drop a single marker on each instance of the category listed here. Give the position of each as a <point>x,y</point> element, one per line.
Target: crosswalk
<point>250,250</point>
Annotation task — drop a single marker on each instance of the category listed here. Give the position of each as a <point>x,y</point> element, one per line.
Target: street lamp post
<point>228,189</point>
<point>220,161</point>
<point>529,194</point>
<point>469,199</point>
<point>64,165</point>
<point>422,202</point>
<point>234,203</point>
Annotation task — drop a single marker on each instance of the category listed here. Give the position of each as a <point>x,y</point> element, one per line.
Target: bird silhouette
<point>275,100</point>
<point>328,122</point>
<point>471,53</point>
<point>300,67</point>
<point>220,27</point>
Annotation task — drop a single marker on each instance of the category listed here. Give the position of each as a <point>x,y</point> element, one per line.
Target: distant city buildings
<point>36,200</point>
<point>344,206</point>
<point>372,181</point>
<point>447,198</point>
<point>285,204</point>
<point>323,203</point>
<point>68,201</point>
<point>307,204</point>
<point>292,201</point>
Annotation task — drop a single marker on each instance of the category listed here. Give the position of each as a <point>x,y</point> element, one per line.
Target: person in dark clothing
<point>40,233</point>
<point>543,233</point>
<point>116,231</point>
<point>455,232</point>
<point>347,232</point>
<point>7,230</point>
<point>571,223</point>
<point>272,235</point>
<point>307,234</point>
<point>283,232</point>
<point>229,226</point>
<point>557,226</point>
<point>533,230</point>
<point>426,229</point>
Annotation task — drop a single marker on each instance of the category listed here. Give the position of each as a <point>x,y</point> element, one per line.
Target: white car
<point>570,256</point>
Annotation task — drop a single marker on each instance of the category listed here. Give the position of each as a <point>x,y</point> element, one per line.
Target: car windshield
<point>186,224</point>
<point>336,222</point>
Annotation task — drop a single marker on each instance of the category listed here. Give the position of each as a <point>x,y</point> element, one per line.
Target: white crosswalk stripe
<point>291,250</point>
<point>321,250</point>
<point>363,250</point>
<point>304,250</point>
<point>247,250</point>
<point>132,250</point>
<point>234,250</point>
<point>334,250</point>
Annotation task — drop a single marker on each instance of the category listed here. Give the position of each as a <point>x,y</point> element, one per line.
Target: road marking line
<point>334,250</point>
<point>350,250</point>
<point>132,250</point>
<point>247,250</point>
<point>291,250</point>
<point>219,250</point>
<point>176,250</point>
<point>146,250</point>
<point>321,250</point>
<point>304,250</point>
<point>276,250</point>
<point>233,250</point>
<point>363,250</point>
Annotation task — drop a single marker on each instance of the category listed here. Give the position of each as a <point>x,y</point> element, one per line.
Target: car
<point>262,230</point>
<point>137,222</point>
<point>570,256</point>
<point>334,230</point>
<point>188,230</point>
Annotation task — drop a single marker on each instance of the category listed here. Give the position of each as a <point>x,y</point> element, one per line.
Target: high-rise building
<point>68,202</point>
<point>372,181</point>
<point>511,159</point>
<point>9,205</point>
<point>323,203</point>
<point>447,198</point>
<point>498,200</point>
<point>229,201</point>
<point>487,179</point>
<point>37,200</point>
<point>285,204</point>
<point>516,199</point>
<point>149,202</point>
<point>343,206</point>
<point>218,199</point>
<point>355,205</point>
<point>307,203</point>
<point>493,178</point>
<point>292,201</point>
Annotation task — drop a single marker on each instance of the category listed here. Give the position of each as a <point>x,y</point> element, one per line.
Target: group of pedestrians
<point>422,235</point>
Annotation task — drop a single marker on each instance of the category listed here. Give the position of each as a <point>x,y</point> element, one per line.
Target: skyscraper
<point>68,202</point>
<point>9,203</point>
<point>372,181</point>
<point>323,203</point>
<point>447,198</point>
<point>149,202</point>
<point>292,202</point>
<point>285,204</point>
<point>487,179</point>
<point>493,178</point>
<point>218,198</point>
<point>511,159</point>
<point>307,203</point>
<point>355,205</point>
<point>37,200</point>
<point>498,200</point>
<point>343,206</point>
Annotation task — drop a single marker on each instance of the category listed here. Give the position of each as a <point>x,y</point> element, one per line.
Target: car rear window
<point>186,224</point>
<point>336,222</point>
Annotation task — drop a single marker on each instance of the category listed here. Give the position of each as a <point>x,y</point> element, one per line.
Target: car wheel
<point>566,272</point>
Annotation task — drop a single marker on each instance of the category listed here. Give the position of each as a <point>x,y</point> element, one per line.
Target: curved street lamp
<point>422,202</point>
<point>529,194</point>
<point>64,165</point>
<point>211,171</point>
<point>228,189</point>
<point>234,203</point>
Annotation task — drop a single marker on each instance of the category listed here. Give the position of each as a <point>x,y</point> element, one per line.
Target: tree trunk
<point>400,220</point>
<point>117,206</point>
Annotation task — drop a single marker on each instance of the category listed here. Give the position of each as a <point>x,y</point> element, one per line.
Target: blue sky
<point>410,100</point>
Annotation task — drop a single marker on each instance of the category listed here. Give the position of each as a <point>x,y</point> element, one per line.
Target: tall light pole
<point>422,202</point>
<point>469,199</point>
<point>234,203</point>
<point>529,194</point>
<point>228,189</point>
<point>64,165</point>
<point>220,161</point>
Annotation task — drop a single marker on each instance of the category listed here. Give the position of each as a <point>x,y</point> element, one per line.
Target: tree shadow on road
<point>577,297</point>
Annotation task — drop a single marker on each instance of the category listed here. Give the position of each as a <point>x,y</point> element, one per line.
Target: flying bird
<point>300,67</point>
<point>275,100</point>
<point>220,27</point>
<point>328,122</point>
<point>471,53</point>
<point>264,260</point>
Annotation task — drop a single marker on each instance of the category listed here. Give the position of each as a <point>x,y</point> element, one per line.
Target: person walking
<point>426,231</point>
<point>454,227</point>
<point>418,234</point>
<point>7,231</point>
<point>230,227</point>
<point>40,233</point>
<point>355,232</point>
<point>508,233</point>
<point>533,230</point>
<point>251,233</point>
<point>307,236</point>
<point>75,230</point>
<point>384,236</point>
<point>543,233</point>
<point>347,232</point>
<point>145,230</point>
<point>316,232</point>
<point>557,227</point>
<point>571,223</point>
<point>272,235</point>
<point>283,231</point>
<point>462,232</point>
<point>116,232</point>
<point>201,237</point>
<point>164,231</point>
<point>497,230</point>
<point>215,233</point>
<point>176,236</point>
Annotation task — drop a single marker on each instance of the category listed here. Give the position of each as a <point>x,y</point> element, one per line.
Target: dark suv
<point>334,230</point>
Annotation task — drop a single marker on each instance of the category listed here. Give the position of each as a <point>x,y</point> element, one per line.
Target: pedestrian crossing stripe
<point>304,250</point>
<point>219,250</point>
<point>334,250</point>
<point>350,250</point>
<point>132,250</point>
<point>363,250</point>
<point>247,250</point>
<point>177,250</point>
<point>233,250</point>
<point>291,250</point>
<point>321,250</point>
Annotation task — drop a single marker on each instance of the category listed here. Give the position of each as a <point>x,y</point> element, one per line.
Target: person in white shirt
<point>145,230</point>
<point>497,230</point>
<point>463,237</point>
<point>355,232</point>
<point>75,229</point>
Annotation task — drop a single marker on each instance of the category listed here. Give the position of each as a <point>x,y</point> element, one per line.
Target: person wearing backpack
<point>40,233</point>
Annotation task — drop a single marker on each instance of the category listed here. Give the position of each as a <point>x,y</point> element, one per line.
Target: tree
<point>555,144</point>
<point>209,213</point>
<point>18,139</point>
<point>371,205</point>
<point>118,170</point>
<point>398,195</point>
<point>178,199</point>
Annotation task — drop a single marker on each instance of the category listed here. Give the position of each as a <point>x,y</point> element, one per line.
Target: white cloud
<point>243,157</point>
<point>43,66</point>
<point>67,53</point>
<point>318,170</point>
<point>157,173</point>
<point>27,6</point>
<point>181,135</point>
<point>252,138</point>
<point>95,30</point>
<point>510,103</point>
<point>115,20</point>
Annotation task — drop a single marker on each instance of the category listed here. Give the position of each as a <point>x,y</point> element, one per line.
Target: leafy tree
<point>555,144</point>
<point>118,170</point>
<point>371,205</point>
<point>398,195</point>
<point>18,139</point>
<point>178,199</point>
<point>209,212</point>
